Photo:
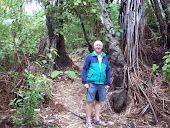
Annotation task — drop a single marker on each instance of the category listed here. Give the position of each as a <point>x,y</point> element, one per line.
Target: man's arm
<point>84,70</point>
<point>108,74</point>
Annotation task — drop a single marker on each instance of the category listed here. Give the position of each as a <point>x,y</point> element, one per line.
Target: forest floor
<point>70,95</point>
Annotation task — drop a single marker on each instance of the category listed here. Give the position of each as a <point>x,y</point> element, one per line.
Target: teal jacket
<point>91,70</point>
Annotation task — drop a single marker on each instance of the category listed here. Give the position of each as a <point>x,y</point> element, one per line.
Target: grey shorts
<point>96,92</point>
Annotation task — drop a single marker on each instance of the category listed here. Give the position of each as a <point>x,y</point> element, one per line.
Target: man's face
<point>98,46</point>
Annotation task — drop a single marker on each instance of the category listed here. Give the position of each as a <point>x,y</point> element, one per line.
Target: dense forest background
<point>43,44</point>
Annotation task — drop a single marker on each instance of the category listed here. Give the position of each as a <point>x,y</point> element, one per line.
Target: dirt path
<point>71,94</point>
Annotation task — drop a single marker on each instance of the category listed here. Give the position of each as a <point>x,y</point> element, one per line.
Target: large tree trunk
<point>55,41</point>
<point>115,53</point>
<point>131,22</point>
<point>163,25</point>
<point>63,59</point>
<point>116,59</point>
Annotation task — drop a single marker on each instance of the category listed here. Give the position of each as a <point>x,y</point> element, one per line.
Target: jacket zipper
<point>100,72</point>
<point>100,77</point>
<point>91,75</point>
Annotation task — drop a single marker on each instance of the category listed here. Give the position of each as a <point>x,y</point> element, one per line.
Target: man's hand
<point>86,85</point>
<point>107,87</point>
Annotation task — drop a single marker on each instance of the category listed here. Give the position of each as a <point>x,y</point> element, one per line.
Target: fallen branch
<point>154,114</point>
<point>144,110</point>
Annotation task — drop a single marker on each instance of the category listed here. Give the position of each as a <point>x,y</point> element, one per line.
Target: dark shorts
<point>96,92</point>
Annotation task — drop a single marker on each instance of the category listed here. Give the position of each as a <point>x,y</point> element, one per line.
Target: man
<point>96,78</point>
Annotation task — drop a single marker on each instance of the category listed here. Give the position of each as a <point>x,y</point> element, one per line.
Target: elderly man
<point>96,78</point>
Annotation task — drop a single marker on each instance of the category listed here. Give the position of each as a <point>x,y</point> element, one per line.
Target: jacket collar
<point>94,54</point>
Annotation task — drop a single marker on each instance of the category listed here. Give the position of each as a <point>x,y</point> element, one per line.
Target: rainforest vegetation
<point>43,44</point>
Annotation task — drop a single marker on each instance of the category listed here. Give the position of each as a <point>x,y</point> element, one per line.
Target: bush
<point>26,102</point>
<point>166,67</point>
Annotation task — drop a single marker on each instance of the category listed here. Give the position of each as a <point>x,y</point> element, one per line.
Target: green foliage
<point>18,27</point>
<point>6,45</point>
<point>27,102</point>
<point>113,11</point>
<point>150,17</point>
<point>166,67</point>
<point>73,38</point>
<point>71,74</point>
<point>35,88</point>
<point>77,2</point>
<point>2,68</point>
<point>154,68</point>
<point>29,94</point>
<point>44,65</point>
<point>55,73</point>
<point>66,21</point>
<point>49,55</point>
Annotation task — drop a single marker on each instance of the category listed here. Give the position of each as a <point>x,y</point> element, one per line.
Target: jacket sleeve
<point>85,69</point>
<point>107,74</point>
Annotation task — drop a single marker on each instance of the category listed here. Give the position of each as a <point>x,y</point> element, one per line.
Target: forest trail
<point>71,95</point>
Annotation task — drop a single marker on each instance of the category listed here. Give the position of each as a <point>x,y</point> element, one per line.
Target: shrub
<point>166,67</point>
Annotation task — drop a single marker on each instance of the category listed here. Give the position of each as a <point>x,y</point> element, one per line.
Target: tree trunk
<point>167,15</point>
<point>115,53</point>
<point>131,22</point>
<point>166,10</point>
<point>56,42</point>
<point>116,59</point>
<point>63,59</point>
<point>162,23</point>
<point>90,48</point>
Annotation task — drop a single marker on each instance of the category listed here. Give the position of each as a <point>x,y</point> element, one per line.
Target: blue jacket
<point>91,70</point>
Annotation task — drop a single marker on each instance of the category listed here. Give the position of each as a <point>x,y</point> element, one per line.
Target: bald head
<point>98,42</point>
<point>98,46</point>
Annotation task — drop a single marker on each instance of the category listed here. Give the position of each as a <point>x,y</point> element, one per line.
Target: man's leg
<point>97,109</point>
<point>97,114</point>
<point>89,106</point>
<point>100,97</point>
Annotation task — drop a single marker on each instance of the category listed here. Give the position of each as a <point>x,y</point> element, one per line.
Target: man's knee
<point>89,102</point>
<point>97,102</point>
